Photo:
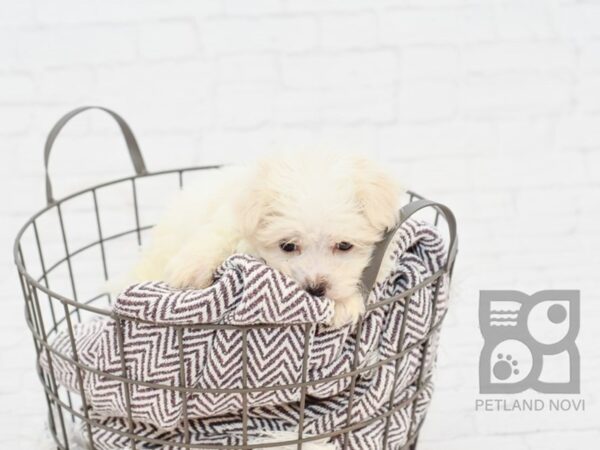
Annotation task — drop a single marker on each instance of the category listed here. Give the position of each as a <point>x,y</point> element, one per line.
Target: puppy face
<point>316,218</point>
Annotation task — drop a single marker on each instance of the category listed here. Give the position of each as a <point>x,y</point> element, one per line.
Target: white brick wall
<point>490,106</point>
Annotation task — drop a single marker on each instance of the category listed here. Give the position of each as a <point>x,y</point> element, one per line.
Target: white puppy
<point>314,217</point>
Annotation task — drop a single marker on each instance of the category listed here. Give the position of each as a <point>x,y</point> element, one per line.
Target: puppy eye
<point>288,247</point>
<point>343,246</point>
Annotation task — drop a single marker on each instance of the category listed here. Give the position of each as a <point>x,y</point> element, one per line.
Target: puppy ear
<point>252,201</point>
<point>378,194</point>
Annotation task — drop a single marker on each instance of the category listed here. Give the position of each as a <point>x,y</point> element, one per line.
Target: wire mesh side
<point>61,312</point>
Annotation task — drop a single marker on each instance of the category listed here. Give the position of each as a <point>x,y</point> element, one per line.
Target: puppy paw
<point>183,272</point>
<point>347,311</point>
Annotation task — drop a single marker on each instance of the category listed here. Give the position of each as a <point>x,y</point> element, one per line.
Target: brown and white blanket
<point>249,292</point>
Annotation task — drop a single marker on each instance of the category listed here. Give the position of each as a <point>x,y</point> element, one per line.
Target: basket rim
<point>22,269</point>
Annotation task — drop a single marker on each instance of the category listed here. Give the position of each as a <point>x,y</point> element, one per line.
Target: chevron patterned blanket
<point>169,326</point>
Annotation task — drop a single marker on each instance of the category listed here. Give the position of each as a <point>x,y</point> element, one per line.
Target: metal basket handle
<point>134,150</point>
<point>369,275</point>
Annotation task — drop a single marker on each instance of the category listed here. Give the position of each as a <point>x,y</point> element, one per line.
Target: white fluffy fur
<point>312,200</point>
<point>282,436</point>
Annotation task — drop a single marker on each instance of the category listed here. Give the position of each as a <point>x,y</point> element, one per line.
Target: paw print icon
<point>529,341</point>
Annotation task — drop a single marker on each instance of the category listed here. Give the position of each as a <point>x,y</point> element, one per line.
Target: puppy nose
<point>318,290</point>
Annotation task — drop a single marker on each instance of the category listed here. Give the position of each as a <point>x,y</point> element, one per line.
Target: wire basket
<point>67,251</point>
